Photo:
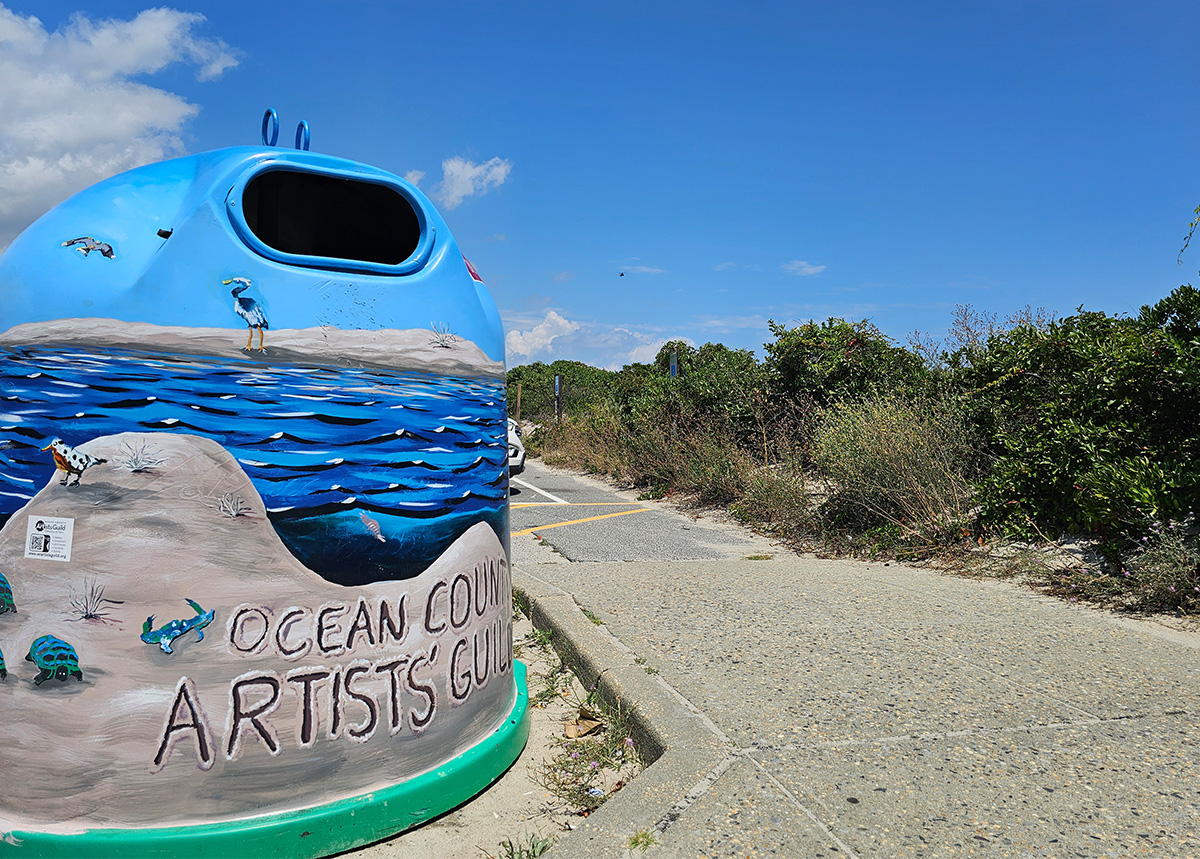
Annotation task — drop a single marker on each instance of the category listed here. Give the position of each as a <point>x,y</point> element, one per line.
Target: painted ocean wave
<point>422,456</point>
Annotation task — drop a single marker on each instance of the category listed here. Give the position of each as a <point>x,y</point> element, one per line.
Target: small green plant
<point>540,638</point>
<point>650,669</point>
<point>1164,572</point>
<point>655,492</point>
<point>586,771</point>
<point>555,684</point>
<point>521,604</point>
<point>758,557</point>
<point>529,847</point>
<point>592,617</point>
<point>642,840</point>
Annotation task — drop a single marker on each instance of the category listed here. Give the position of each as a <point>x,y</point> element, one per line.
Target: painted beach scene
<point>368,473</point>
<point>228,571</point>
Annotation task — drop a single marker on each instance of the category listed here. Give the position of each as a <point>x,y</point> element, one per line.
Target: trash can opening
<point>314,215</point>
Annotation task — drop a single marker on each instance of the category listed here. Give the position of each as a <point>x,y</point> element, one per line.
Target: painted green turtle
<point>6,597</point>
<point>55,658</point>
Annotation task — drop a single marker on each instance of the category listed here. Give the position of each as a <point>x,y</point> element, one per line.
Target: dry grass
<point>897,462</point>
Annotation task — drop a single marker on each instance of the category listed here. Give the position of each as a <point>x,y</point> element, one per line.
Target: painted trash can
<point>254,582</point>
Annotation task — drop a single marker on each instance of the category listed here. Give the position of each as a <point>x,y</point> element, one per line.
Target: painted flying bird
<point>87,244</point>
<point>71,461</point>
<point>248,309</point>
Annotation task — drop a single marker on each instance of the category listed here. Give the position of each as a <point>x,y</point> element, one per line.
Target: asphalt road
<point>587,521</point>
<point>872,710</point>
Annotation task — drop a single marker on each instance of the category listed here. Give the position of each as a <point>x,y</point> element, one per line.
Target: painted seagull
<point>248,309</point>
<point>70,461</point>
<point>87,244</point>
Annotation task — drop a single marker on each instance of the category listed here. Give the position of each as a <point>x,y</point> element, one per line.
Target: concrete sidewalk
<point>802,707</point>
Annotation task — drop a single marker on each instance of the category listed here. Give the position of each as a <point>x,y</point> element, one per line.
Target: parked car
<point>516,449</point>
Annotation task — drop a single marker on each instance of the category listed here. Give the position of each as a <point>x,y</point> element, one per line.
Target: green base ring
<point>311,832</point>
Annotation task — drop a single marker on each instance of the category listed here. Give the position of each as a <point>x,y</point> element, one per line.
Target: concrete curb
<point>685,751</point>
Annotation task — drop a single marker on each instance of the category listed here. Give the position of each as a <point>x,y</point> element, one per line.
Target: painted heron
<point>248,309</point>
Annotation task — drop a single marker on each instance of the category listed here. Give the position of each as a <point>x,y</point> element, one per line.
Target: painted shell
<point>3,670</point>
<point>55,658</point>
<point>6,597</point>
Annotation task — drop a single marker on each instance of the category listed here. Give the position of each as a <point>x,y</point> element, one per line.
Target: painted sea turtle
<point>55,658</point>
<point>6,596</point>
<point>3,670</point>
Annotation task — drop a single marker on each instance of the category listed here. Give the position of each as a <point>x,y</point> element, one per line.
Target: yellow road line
<point>575,504</point>
<point>578,521</point>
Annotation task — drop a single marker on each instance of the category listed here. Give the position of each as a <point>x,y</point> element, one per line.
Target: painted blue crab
<point>167,633</point>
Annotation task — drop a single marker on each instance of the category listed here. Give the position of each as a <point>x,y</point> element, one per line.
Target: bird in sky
<point>248,309</point>
<point>71,462</point>
<point>87,244</point>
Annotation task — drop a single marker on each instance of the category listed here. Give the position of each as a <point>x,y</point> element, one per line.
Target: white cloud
<point>414,176</point>
<point>723,266</point>
<point>644,269</point>
<point>462,178</point>
<point>526,344</point>
<point>643,354</point>
<point>71,112</point>
<point>802,268</point>
<point>552,336</point>
<point>564,276</point>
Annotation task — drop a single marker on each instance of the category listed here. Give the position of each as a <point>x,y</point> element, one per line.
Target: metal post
<point>558,397</point>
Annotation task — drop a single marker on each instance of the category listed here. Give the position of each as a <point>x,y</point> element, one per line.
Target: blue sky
<point>739,162</point>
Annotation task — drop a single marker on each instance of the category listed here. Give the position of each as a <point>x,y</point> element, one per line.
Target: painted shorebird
<point>248,309</point>
<point>86,244</point>
<point>71,462</point>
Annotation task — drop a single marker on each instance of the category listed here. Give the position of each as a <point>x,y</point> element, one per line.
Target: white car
<point>516,450</point>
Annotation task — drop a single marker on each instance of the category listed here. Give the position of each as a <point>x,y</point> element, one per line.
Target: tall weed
<point>890,460</point>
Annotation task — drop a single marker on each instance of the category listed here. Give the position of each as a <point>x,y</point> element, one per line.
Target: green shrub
<point>1089,419</point>
<point>837,360</point>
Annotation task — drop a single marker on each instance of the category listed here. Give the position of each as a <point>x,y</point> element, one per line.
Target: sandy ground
<point>410,349</point>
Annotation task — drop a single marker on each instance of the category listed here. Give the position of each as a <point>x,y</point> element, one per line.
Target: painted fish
<point>55,658</point>
<point>3,670</point>
<point>372,526</point>
<point>6,599</point>
<point>166,634</point>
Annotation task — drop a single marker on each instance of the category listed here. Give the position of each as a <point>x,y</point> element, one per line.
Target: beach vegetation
<point>1030,428</point>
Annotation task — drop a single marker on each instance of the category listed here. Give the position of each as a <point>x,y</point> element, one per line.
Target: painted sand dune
<point>415,349</point>
<point>301,692</point>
